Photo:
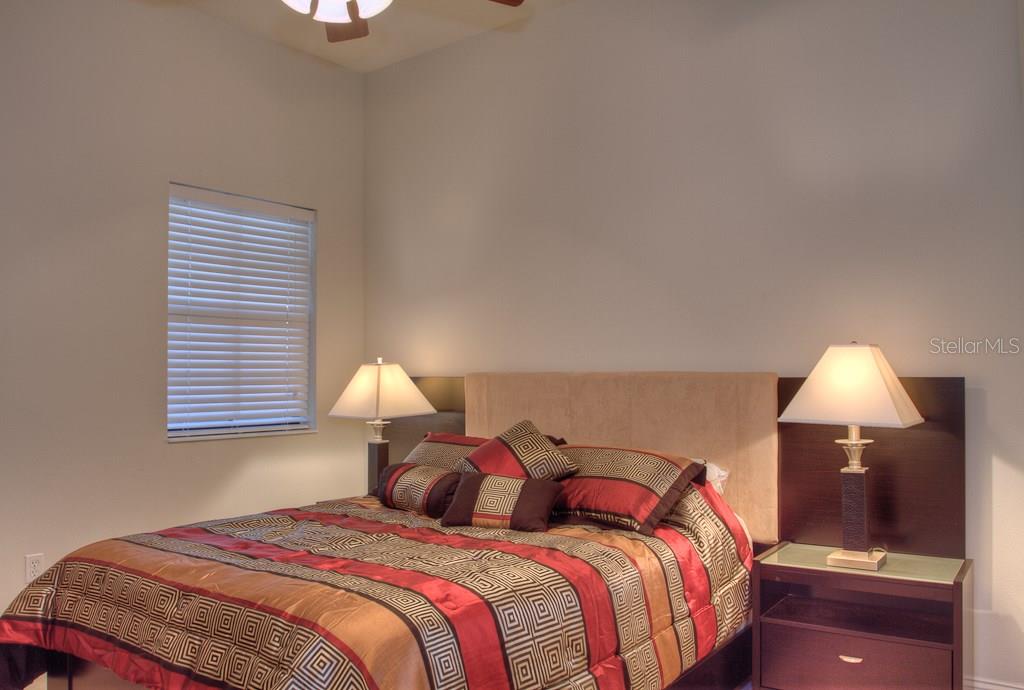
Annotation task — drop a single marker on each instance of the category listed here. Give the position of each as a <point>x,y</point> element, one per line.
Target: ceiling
<point>406,29</point>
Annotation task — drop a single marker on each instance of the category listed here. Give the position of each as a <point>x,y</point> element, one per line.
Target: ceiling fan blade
<point>511,3</point>
<point>336,33</point>
<point>357,28</point>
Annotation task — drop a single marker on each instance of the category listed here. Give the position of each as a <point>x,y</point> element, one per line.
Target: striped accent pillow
<point>521,451</point>
<point>444,450</point>
<point>487,500</point>
<point>417,488</point>
<point>625,488</point>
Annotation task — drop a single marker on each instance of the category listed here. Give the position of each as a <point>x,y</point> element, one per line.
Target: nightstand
<point>818,627</point>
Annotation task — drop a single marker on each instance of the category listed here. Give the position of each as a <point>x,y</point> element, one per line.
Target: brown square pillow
<point>625,488</point>
<point>417,488</point>
<point>521,451</point>
<point>487,500</point>
<point>444,450</point>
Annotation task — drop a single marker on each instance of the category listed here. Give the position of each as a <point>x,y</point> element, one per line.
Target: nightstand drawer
<point>802,659</point>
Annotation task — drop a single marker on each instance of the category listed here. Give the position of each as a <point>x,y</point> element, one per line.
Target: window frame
<point>243,202</point>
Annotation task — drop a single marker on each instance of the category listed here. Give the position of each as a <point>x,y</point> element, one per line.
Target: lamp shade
<point>853,385</point>
<point>381,391</point>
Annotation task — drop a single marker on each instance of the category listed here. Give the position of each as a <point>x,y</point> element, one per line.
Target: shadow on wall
<point>981,460</point>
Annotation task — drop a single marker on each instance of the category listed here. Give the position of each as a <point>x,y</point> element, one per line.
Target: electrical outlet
<point>33,566</point>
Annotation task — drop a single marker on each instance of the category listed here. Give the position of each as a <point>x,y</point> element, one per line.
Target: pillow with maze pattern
<point>521,451</point>
<point>444,450</point>
<point>417,488</point>
<point>625,488</point>
<point>487,500</point>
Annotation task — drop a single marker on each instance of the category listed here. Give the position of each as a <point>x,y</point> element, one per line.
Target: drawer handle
<point>851,659</point>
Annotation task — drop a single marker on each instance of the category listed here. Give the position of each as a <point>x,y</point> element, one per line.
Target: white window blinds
<point>239,315</point>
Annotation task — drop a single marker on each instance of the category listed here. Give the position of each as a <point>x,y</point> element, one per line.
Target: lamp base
<point>378,429</point>
<point>860,560</point>
<point>856,552</point>
<point>377,461</point>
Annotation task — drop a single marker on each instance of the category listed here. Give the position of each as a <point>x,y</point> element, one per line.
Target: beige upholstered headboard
<point>728,418</point>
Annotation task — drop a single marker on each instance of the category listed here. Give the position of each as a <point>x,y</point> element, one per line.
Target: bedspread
<point>349,595</point>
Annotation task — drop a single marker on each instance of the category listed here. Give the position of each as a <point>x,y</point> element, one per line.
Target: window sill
<point>240,435</point>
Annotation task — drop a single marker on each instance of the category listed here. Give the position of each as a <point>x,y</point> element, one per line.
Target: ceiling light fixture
<point>346,19</point>
<point>337,11</point>
<point>300,6</point>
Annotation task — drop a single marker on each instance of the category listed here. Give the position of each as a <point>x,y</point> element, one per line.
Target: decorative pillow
<point>624,488</point>
<point>417,488</point>
<point>444,450</point>
<point>522,452</point>
<point>487,500</point>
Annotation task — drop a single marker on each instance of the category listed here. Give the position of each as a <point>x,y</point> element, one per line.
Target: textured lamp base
<point>377,462</point>
<point>855,552</point>
<point>855,509</point>
<point>861,560</point>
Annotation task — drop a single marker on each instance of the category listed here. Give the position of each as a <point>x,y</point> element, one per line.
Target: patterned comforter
<point>349,594</point>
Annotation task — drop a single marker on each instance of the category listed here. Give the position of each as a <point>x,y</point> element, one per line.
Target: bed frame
<point>730,418</point>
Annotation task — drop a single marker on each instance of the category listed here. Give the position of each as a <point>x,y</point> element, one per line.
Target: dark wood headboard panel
<point>916,478</point>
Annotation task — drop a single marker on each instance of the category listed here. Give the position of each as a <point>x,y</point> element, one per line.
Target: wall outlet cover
<point>33,566</point>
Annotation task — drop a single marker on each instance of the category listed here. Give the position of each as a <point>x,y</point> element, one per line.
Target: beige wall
<point>1020,30</point>
<point>662,184</point>
<point>705,185</point>
<point>103,102</point>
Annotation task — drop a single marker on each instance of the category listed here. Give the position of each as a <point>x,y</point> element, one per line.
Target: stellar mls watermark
<point>975,346</point>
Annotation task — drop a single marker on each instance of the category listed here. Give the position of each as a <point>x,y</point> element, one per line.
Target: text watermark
<point>975,346</point>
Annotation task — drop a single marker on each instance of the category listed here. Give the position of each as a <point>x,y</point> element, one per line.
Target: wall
<point>723,185</point>
<point>103,103</point>
<point>1020,29</point>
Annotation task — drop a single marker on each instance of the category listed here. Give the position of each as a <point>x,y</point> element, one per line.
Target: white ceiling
<point>407,28</point>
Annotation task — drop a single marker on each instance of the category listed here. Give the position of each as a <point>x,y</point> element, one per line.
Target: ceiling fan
<point>347,19</point>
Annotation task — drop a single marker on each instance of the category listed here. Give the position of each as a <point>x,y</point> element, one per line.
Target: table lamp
<point>853,385</point>
<point>379,392</point>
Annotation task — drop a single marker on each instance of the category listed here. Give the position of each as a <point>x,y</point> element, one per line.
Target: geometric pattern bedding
<point>444,450</point>
<point>520,451</point>
<point>420,488</point>
<point>487,500</point>
<point>630,489</point>
<point>349,594</point>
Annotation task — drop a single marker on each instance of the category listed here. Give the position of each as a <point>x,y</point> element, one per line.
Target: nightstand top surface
<point>898,566</point>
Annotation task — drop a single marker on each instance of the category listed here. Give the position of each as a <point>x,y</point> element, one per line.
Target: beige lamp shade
<point>853,385</point>
<point>381,391</point>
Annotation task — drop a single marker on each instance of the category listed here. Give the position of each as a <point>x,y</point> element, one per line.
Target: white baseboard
<point>985,684</point>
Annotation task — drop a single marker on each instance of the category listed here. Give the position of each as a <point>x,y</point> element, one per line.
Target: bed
<point>350,594</point>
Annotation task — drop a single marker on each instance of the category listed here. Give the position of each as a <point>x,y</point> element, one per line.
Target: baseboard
<point>985,684</point>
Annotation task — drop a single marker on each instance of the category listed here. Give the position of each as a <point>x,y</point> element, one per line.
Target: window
<point>239,315</point>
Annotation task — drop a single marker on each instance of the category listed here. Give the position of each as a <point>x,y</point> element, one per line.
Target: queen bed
<point>352,594</point>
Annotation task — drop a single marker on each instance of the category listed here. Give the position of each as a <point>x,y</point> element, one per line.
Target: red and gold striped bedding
<point>350,594</point>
